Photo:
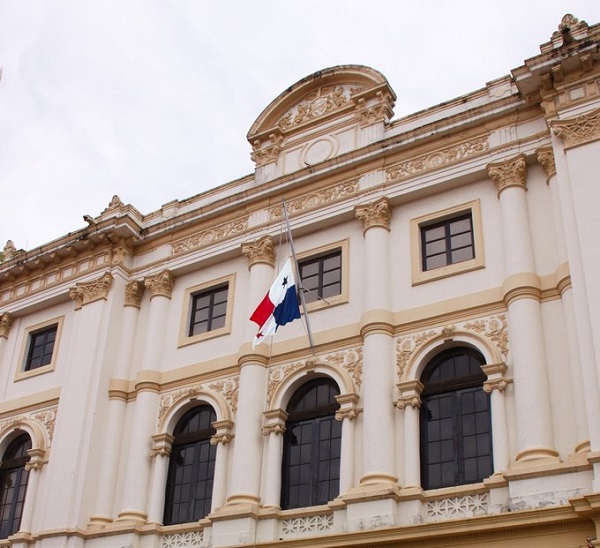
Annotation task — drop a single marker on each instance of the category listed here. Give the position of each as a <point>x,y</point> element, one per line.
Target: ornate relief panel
<point>210,236</point>
<point>457,507</point>
<point>45,419</point>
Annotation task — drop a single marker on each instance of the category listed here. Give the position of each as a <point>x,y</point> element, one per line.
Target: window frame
<point>184,337</point>
<point>315,254</point>
<point>30,332</point>
<point>418,224</point>
<point>16,465</point>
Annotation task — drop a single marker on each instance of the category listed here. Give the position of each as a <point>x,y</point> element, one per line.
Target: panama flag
<point>280,305</point>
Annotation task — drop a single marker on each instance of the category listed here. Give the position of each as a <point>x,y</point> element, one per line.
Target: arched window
<point>13,485</point>
<point>191,467</point>
<point>456,433</point>
<point>311,446</point>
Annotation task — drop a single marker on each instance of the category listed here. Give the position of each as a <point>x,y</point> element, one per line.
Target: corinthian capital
<point>160,284</point>
<point>511,172</point>
<point>6,321</point>
<point>545,156</point>
<point>88,292</point>
<point>134,291</point>
<point>576,131</point>
<point>260,251</point>
<point>377,213</point>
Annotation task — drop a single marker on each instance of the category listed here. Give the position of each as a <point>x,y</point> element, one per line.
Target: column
<point>222,438</point>
<point>522,295</point>
<point>274,428</point>
<point>137,476</point>
<point>495,386</point>
<point>347,413</point>
<point>34,467</point>
<point>117,405</point>
<point>160,454</point>
<point>378,347</point>
<point>545,157</point>
<point>409,403</point>
<point>247,445</point>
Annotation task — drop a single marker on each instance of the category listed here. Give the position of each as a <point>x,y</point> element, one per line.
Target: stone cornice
<point>259,251</point>
<point>509,173</point>
<point>578,131</point>
<point>87,292</point>
<point>545,156</point>
<point>376,214</point>
<point>160,284</point>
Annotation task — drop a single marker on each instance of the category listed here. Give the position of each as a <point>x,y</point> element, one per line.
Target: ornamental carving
<point>265,152</point>
<point>580,130</point>
<point>280,373</point>
<point>276,429</point>
<point>191,539</point>
<point>493,329</point>
<point>260,251</point>
<point>308,524</point>
<point>227,388</point>
<point>545,156</point>
<point>36,459</point>
<point>160,284</point>
<point>351,360</point>
<point>170,399</point>
<point>88,292</point>
<point>210,236</point>
<point>45,418</point>
<point>406,346</point>
<point>458,507</point>
<point>114,204</point>
<point>6,321</point>
<point>379,112</point>
<point>377,213</point>
<point>495,384</point>
<point>413,401</point>
<point>9,251</point>
<point>509,173</point>
<point>134,291</point>
<point>349,413</point>
<point>317,104</point>
<point>121,250</point>
<point>440,158</point>
<point>314,200</point>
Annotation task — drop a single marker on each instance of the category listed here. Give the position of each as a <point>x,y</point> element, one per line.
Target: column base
<point>133,515</point>
<point>378,479</point>
<point>583,447</point>
<point>99,521</point>
<point>538,454</point>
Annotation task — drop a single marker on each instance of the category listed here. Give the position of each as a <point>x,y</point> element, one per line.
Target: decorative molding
<point>317,104</point>
<point>190,539</point>
<point>348,409</point>
<point>223,432</point>
<point>457,507</point>
<point>260,251</point>
<point>494,329</point>
<point>88,292</point>
<point>278,374</point>
<point>437,159</point>
<point>307,524</point>
<point>210,236</point>
<point>381,111</point>
<point>413,401</point>
<point>351,360</point>
<point>37,459</point>
<point>579,130</point>
<point>266,152</point>
<point>545,156</point>
<point>496,384</point>
<point>134,291</point>
<point>6,321</point>
<point>314,200</point>
<point>509,173</point>
<point>161,445</point>
<point>160,284</point>
<point>45,418</point>
<point>228,389</point>
<point>121,249</point>
<point>378,213</point>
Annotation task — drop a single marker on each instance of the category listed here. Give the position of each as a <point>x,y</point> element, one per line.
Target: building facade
<point>447,393</point>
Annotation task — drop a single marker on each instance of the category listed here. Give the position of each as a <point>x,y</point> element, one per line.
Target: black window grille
<point>209,310</point>
<point>321,277</point>
<point>41,347</point>
<point>191,468</point>
<point>312,445</point>
<point>447,242</point>
<point>456,432</point>
<point>13,485</point>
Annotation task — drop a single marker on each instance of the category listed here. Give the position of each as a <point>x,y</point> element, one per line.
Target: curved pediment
<point>330,99</point>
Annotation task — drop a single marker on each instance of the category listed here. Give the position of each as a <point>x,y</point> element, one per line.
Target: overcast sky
<point>152,100</point>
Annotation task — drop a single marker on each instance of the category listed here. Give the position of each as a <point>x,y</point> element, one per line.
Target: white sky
<point>152,99</point>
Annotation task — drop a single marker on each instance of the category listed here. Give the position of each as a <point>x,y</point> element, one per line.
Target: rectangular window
<point>41,347</point>
<point>209,310</point>
<point>447,242</point>
<point>321,277</point>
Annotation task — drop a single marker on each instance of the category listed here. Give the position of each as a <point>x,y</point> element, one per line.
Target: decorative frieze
<point>457,507</point>
<point>509,173</point>
<point>134,291</point>
<point>545,156</point>
<point>260,251</point>
<point>308,524</point>
<point>160,284</point>
<point>210,236</point>
<point>579,130</point>
<point>374,214</point>
<point>190,539</point>
<point>88,292</point>
<point>314,200</point>
<point>6,321</point>
<point>437,159</point>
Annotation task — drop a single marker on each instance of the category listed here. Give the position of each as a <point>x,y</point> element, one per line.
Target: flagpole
<point>302,299</point>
